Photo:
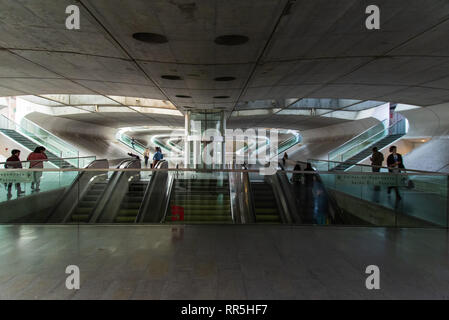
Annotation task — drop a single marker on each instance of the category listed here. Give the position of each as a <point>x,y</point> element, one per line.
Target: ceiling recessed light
<point>150,37</point>
<point>221,97</point>
<point>231,40</point>
<point>182,96</point>
<point>225,79</point>
<point>171,77</point>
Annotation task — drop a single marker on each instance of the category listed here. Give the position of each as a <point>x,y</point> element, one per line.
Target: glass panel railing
<point>359,142</point>
<point>386,199</point>
<point>367,139</point>
<point>204,197</point>
<point>30,135</point>
<point>49,140</point>
<point>136,145</point>
<point>17,183</point>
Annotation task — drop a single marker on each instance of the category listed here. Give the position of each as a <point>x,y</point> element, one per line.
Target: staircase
<point>202,201</point>
<point>367,152</point>
<point>131,203</point>
<point>27,143</point>
<point>86,205</point>
<point>265,206</point>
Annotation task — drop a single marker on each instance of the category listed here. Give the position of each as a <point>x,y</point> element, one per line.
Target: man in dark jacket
<point>395,164</point>
<point>377,158</point>
<point>13,162</point>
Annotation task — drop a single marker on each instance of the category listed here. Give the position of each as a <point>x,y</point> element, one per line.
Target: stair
<point>367,152</point>
<point>131,203</point>
<point>86,205</point>
<point>27,143</point>
<point>204,201</point>
<point>265,206</point>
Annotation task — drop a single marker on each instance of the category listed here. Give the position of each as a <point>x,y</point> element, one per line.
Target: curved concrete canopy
<point>317,48</point>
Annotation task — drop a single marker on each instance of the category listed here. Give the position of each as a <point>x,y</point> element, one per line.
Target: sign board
<point>15,177</point>
<point>389,180</point>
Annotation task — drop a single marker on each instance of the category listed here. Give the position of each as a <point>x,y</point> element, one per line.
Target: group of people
<point>310,194</point>
<point>158,156</point>
<point>36,160</point>
<point>394,164</point>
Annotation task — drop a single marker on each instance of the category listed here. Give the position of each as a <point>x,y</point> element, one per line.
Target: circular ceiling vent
<point>221,97</point>
<point>171,77</point>
<point>182,96</point>
<point>225,79</point>
<point>231,40</point>
<point>150,37</point>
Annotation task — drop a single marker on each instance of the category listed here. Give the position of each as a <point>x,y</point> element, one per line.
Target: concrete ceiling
<point>315,49</point>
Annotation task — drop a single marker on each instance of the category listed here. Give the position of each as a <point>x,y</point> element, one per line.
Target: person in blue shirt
<point>158,156</point>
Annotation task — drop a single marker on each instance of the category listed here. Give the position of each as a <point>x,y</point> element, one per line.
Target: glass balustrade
<point>358,143</point>
<point>207,196</point>
<point>30,135</point>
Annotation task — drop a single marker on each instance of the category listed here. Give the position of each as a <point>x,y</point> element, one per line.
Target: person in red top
<point>13,162</point>
<point>36,160</point>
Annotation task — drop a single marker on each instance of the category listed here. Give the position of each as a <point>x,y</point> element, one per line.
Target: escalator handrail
<point>163,164</point>
<point>99,164</point>
<point>117,176</point>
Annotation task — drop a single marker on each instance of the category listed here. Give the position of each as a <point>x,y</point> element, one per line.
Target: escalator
<point>90,193</point>
<point>131,203</point>
<point>84,209</point>
<point>201,201</point>
<point>29,144</point>
<point>265,206</point>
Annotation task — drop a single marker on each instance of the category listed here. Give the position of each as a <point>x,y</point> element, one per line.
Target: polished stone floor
<point>222,262</point>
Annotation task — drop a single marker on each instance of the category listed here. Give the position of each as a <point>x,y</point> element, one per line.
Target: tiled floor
<point>222,262</point>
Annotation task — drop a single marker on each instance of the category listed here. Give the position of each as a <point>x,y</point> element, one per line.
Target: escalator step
<point>87,204</point>
<point>124,219</point>
<point>128,212</point>
<point>81,210</point>
<point>267,218</point>
<point>218,206</point>
<point>80,217</point>
<point>201,217</point>
<point>199,222</point>
<point>183,201</point>
<point>130,205</point>
<point>262,210</point>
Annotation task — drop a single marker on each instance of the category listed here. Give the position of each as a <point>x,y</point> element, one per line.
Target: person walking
<point>158,156</point>
<point>395,164</point>
<point>377,159</point>
<point>309,181</point>
<point>13,162</point>
<point>36,160</point>
<point>284,158</point>
<point>146,156</point>
<point>133,142</point>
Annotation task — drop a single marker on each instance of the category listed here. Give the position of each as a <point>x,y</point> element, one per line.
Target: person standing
<point>158,156</point>
<point>13,162</point>
<point>36,160</point>
<point>395,164</point>
<point>146,155</point>
<point>377,159</point>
